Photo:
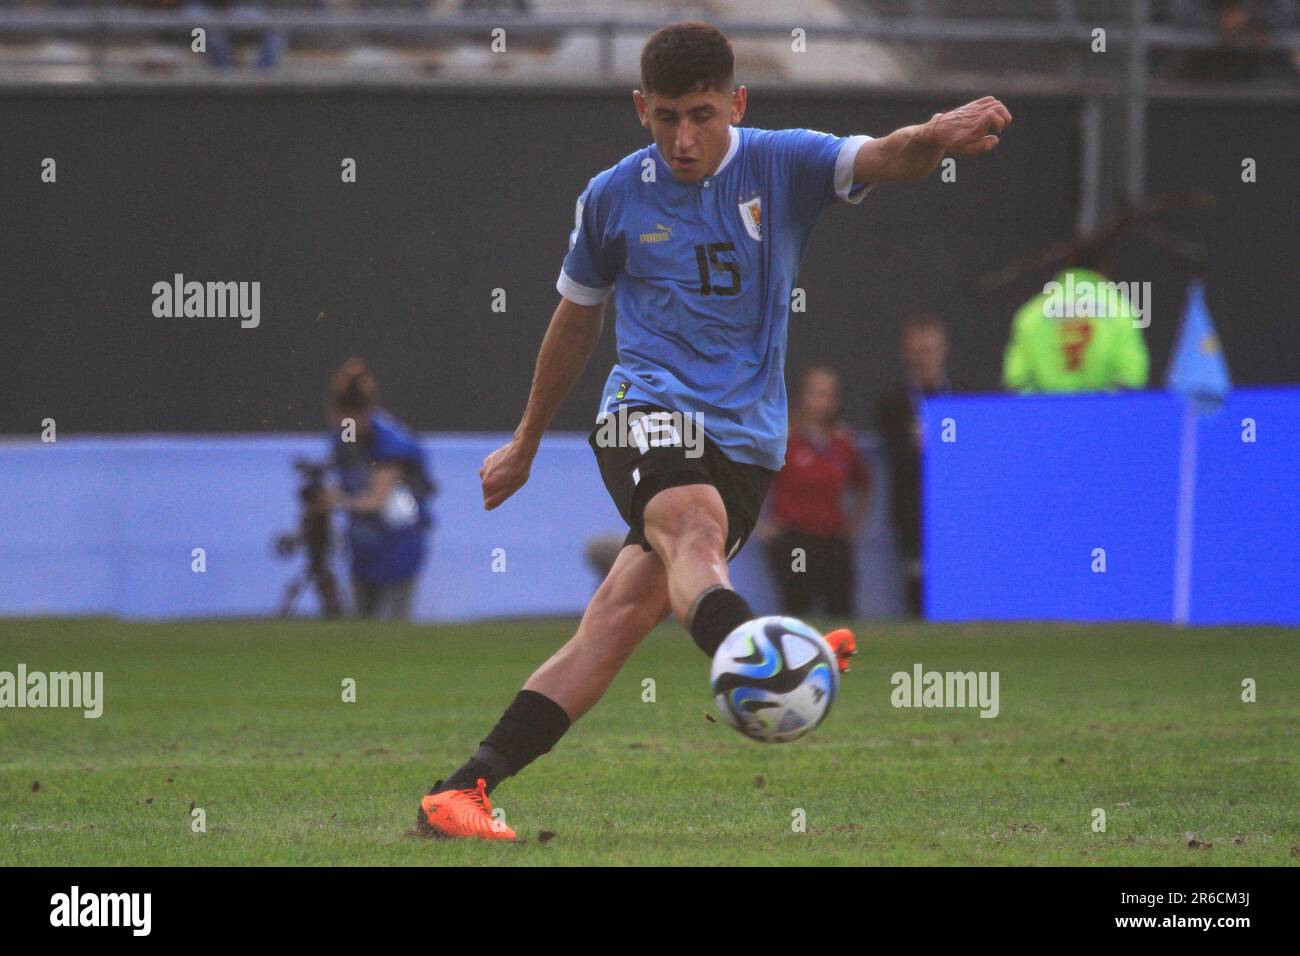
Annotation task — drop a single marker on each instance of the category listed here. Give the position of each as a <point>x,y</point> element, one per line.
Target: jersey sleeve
<point>819,167</point>
<point>1017,363</point>
<point>1130,362</point>
<point>390,445</point>
<point>589,267</point>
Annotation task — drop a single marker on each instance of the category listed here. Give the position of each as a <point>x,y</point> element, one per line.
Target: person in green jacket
<point>1083,333</point>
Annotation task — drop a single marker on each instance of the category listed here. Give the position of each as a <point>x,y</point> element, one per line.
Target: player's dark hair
<point>353,390</point>
<point>687,57</point>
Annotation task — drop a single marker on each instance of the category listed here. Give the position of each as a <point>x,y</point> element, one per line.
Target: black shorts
<point>654,456</point>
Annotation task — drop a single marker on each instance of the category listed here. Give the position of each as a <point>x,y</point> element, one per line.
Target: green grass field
<point>245,720</point>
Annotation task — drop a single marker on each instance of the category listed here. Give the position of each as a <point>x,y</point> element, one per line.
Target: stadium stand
<point>874,42</point>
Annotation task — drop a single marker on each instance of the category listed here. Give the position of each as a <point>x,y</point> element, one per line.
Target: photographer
<point>384,486</point>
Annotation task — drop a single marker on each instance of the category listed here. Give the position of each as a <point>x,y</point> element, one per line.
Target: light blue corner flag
<point>1197,370</point>
<point>1197,367</point>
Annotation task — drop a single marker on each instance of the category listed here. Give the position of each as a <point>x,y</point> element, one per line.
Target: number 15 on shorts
<point>654,430</point>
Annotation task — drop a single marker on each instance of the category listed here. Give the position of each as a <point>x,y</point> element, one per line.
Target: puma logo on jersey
<point>663,235</point>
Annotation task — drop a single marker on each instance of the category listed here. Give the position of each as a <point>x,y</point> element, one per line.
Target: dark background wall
<point>459,193</point>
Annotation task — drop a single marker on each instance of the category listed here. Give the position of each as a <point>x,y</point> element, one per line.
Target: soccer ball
<point>774,679</point>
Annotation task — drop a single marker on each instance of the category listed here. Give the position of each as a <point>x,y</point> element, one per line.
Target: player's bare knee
<point>699,535</point>
<point>696,530</point>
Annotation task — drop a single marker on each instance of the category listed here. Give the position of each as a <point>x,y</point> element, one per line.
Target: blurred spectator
<point>1083,333</point>
<point>271,45</point>
<point>494,6</point>
<point>924,350</point>
<point>809,536</point>
<point>1244,28</point>
<point>384,485</point>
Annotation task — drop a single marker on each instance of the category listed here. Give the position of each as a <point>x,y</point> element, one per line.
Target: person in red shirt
<point>809,532</point>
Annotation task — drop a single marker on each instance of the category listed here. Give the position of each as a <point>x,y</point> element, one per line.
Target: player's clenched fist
<point>504,472</point>
<point>969,130</point>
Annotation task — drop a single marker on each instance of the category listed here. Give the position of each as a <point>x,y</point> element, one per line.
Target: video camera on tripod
<point>315,535</point>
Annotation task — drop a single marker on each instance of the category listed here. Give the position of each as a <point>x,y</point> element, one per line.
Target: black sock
<point>468,774</point>
<point>716,613</point>
<point>530,727</point>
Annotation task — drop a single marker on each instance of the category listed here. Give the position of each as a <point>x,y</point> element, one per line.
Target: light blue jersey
<point>702,276</point>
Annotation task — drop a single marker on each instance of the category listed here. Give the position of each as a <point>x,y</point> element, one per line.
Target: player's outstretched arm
<point>570,340</point>
<point>908,154</point>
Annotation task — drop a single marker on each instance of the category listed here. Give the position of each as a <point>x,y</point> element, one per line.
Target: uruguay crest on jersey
<point>751,214</point>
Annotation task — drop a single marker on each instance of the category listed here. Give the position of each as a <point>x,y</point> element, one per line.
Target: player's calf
<point>630,602</point>
<point>530,727</point>
<point>714,614</point>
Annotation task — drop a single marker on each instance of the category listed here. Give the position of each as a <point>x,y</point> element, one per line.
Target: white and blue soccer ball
<point>774,679</point>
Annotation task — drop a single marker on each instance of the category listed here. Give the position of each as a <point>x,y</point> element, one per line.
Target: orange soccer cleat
<point>844,646</point>
<point>461,813</point>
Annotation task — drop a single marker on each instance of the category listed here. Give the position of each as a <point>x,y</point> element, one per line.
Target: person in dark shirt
<point>925,358</point>
<point>384,487</point>
<point>809,533</point>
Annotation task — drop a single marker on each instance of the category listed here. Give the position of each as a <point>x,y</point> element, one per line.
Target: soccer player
<point>700,236</point>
